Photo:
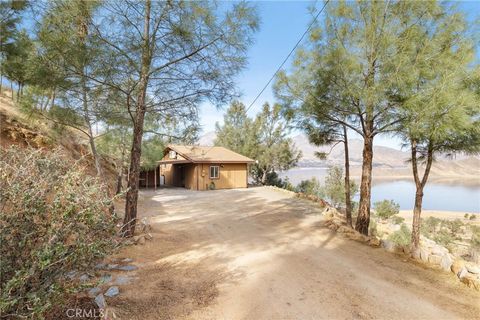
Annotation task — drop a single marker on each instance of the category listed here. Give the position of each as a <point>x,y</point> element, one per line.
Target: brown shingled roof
<point>202,154</point>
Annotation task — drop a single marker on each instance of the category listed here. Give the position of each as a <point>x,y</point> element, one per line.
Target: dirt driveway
<point>259,253</point>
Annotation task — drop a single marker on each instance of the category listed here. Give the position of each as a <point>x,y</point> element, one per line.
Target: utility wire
<point>289,54</point>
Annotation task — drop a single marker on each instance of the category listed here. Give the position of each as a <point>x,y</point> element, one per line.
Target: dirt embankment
<point>261,254</point>
<point>22,130</point>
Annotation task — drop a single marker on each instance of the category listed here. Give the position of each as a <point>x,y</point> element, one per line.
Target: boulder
<point>112,291</point>
<point>435,259</point>
<point>457,266</point>
<point>100,301</point>
<point>471,281</point>
<point>388,245</point>
<point>424,253</point>
<point>374,242</point>
<point>439,250</point>
<point>462,273</point>
<point>472,268</point>
<point>446,262</point>
<point>93,291</point>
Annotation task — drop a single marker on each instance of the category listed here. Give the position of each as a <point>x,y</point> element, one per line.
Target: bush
<point>386,208</point>
<point>54,219</point>
<point>401,237</point>
<point>397,220</point>
<point>335,186</point>
<point>429,226</point>
<point>473,216</point>
<point>310,187</point>
<point>372,228</point>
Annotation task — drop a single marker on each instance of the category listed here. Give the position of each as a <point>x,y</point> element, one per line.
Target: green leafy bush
<point>401,237</point>
<point>335,186</point>
<point>397,220</point>
<point>430,226</point>
<point>310,187</point>
<point>54,219</point>
<point>386,208</point>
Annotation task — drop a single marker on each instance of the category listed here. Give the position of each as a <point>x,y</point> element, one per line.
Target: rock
<point>139,239</point>
<point>112,266</point>
<point>127,260</point>
<point>374,242</point>
<point>435,259</point>
<point>100,266</point>
<point>100,301</point>
<point>388,245</point>
<point>457,266</point>
<point>439,250</point>
<point>424,253</point>
<point>148,236</point>
<point>471,281</point>
<point>416,253</point>
<point>357,236</point>
<point>333,227</point>
<point>112,291</point>
<point>446,262</point>
<point>93,291</point>
<point>472,268</point>
<point>106,278</point>
<point>462,273</point>
<point>122,280</point>
<point>71,274</point>
<point>84,277</point>
<point>127,268</point>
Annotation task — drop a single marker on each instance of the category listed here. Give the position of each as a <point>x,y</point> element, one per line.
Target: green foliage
<point>372,228</point>
<point>54,219</point>
<point>397,220</point>
<point>386,209</point>
<point>401,237</point>
<point>430,226</point>
<point>473,217</point>
<point>334,189</point>
<point>310,187</point>
<point>475,240</point>
<point>264,139</point>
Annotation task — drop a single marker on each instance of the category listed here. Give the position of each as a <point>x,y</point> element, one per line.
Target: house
<point>203,168</point>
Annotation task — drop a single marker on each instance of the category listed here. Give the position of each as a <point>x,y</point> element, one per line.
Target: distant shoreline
<point>448,215</point>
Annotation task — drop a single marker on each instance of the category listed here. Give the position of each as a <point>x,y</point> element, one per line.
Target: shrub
<point>311,187</point>
<point>54,219</point>
<point>386,208</point>
<point>397,220</point>
<point>473,216</point>
<point>372,228</point>
<point>429,226</point>
<point>401,237</point>
<point>335,186</point>
<point>465,215</point>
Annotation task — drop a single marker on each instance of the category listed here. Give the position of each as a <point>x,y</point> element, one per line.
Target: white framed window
<point>172,154</point>
<point>214,172</point>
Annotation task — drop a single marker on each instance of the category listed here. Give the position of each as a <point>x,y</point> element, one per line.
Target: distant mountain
<point>383,157</point>
<point>207,139</point>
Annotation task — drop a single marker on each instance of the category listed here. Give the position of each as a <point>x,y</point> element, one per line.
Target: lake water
<point>452,196</point>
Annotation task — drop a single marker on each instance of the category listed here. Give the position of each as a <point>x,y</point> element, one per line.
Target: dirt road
<point>259,253</point>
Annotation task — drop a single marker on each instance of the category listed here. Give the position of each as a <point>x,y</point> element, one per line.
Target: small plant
<point>310,187</point>
<point>473,217</point>
<point>429,226</point>
<point>401,237</point>
<point>386,208</point>
<point>372,228</point>
<point>465,215</point>
<point>397,220</point>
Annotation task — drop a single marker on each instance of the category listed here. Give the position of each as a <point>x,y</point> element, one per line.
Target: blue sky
<point>282,24</point>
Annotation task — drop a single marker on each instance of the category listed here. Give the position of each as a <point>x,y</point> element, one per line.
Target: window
<point>172,154</point>
<point>214,172</point>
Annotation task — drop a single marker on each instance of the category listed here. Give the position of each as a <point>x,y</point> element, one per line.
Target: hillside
<point>19,129</point>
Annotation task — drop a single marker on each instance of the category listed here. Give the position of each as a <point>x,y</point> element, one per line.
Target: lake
<point>452,196</point>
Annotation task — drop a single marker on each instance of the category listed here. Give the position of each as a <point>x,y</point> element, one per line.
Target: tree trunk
<point>348,202</point>
<point>363,219</point>
<point>419,186</point>
<point>264,177</point>
<point>119,182</point>
<point>129,221</point>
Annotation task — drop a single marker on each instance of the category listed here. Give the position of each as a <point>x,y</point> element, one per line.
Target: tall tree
<point>167,57</point>
<point>440,104</point>
<point>356,56</point>
<point>237,131</point>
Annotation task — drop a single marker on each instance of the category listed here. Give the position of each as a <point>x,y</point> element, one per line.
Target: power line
<point>289,54</point>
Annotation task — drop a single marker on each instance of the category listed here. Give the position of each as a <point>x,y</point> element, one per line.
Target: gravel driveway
<point>260,253</point>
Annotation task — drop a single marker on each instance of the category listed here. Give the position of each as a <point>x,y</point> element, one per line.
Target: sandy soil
<point>447,215</point>
<point>259,253</point>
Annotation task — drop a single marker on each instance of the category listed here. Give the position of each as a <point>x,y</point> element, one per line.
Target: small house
<point>203,168</point>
